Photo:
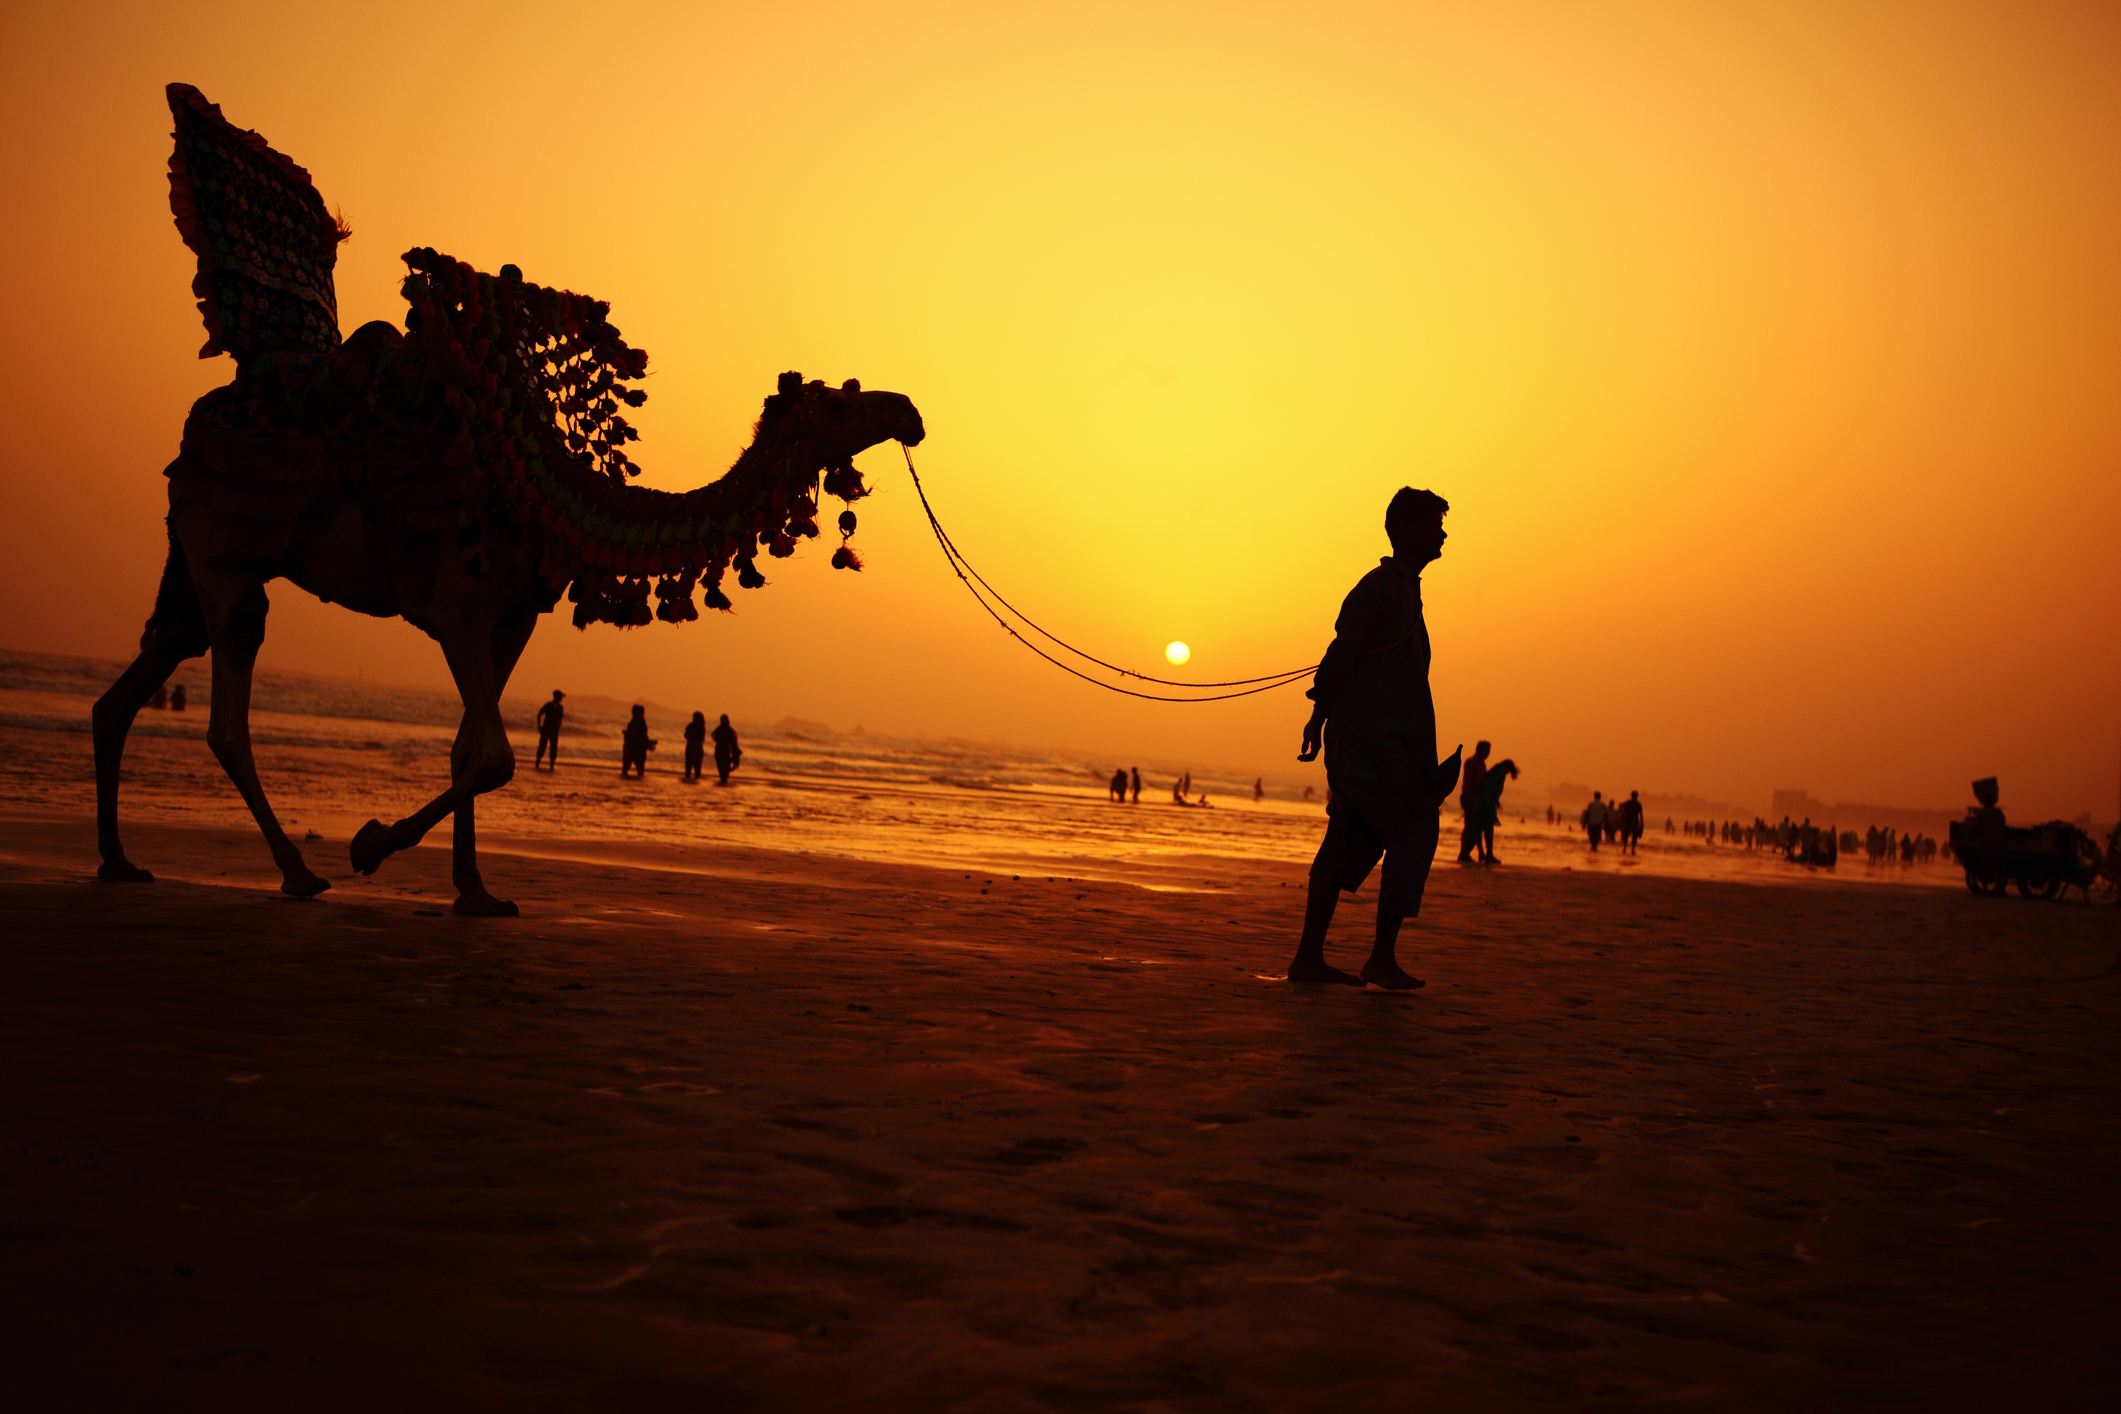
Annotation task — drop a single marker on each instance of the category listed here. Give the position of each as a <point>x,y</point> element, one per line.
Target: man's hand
<point>1314,735</point>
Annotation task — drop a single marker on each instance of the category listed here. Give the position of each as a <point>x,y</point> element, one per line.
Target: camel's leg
<point>480,761</point>
<point>235,620</point>
<point>509,640</point>
<point>113,719</point>
<point>176,631</point>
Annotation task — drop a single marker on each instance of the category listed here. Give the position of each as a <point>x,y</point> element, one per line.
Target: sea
<point>334,752</point>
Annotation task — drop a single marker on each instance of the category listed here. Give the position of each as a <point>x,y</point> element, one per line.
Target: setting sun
<point>1178,652</point>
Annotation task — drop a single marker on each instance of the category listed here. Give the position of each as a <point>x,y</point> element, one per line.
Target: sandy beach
<point>712,1127</point>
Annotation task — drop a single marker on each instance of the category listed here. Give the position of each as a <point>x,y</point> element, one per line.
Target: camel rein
<point>975,583</point>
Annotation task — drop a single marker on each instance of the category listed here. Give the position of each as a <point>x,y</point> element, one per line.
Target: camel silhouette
<point>461,476</point>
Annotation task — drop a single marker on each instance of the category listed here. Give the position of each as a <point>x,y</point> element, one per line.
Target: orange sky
<point>1768,354</point>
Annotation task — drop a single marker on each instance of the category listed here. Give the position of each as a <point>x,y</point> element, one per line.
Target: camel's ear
<point>852,385</point>
<point>791,382</point>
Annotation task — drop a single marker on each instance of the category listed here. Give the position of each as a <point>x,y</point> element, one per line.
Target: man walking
<point>1385,786</point>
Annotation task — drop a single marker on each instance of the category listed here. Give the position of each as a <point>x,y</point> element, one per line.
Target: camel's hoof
<point>119,871</point>
<point>304,886</point>
<point>485,906</point>
<point>370,847</point>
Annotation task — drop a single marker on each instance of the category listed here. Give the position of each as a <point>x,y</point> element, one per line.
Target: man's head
<point>1414,525</point>
<point>1482,749</point>
<point>557,694</point>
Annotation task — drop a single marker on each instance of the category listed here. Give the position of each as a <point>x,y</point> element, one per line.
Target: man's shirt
<point>1374,679</point>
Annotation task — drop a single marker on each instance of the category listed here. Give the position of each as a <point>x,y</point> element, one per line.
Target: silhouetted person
<point>549,717</point>
<point>1136,773</point>
<point>1631,822</point>
<point>1484,807</point>
<point>1117,787</point>
<point>176,698</point>
<point>1178,791</point>
<point>1259,790</point>
<point>635,744</point>
<point>1376,722</point>
<point>695,745</point>
<point>1476,771</point>
<point>1991,832</point>
<point>727,754</point>
<point>1594,819</point>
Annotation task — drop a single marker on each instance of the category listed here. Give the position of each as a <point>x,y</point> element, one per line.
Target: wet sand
<point>716,1128</point>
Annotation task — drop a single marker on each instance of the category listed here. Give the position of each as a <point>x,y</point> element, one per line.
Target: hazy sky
<point>1767,353</point>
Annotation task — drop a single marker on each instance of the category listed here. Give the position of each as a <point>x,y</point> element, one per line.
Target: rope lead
<point>974,583</point>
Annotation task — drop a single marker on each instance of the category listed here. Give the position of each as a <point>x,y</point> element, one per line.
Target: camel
<point>463,476</point>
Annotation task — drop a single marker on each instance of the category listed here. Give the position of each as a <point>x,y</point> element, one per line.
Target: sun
<point>1177,652</point>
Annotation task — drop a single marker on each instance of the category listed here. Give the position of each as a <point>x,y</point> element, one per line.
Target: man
<point>1476,772</point>
<point>549,731</point>
<point>1136,773</point>
<point>1484,808</point>
<point>1594,819</point>
<point>1384,784</point>
<point>1631,822</point>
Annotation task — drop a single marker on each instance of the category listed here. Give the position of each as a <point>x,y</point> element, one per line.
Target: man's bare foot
<point>123,871</point>
<point>1389,976</point>
<point>1305,970</point>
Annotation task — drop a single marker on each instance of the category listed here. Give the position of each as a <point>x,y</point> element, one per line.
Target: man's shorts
<point>1353,846</point>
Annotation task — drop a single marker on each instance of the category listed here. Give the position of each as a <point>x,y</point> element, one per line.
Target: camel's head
<point>837,423</point>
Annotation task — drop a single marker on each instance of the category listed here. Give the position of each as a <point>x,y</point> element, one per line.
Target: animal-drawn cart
<point>2041,861</point>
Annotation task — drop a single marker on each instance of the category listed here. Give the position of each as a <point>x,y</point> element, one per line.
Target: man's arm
<point>1351,631</point>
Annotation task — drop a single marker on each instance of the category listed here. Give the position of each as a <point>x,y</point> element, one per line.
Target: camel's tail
<point>178,624</point>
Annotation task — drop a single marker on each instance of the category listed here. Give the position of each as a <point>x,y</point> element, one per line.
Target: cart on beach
<point>2041,861</point>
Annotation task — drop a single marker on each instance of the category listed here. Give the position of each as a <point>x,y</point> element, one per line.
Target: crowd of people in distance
<point>1126,788</point>
<point>1619,821</point>
<point>635,743</point>
<point>1805,843</point>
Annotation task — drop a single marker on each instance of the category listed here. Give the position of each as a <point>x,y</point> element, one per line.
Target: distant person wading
<point>549,717</point>
<point>695,746</point>
<point>1376,722</point>
<point>635,744</point>
<point>727,754</point>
